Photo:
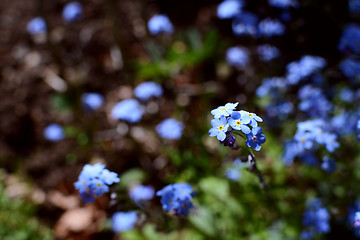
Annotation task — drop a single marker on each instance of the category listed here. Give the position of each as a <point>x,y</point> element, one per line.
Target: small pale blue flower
<point>219,129</point>
<point>229,8</point>
<point>92,101</point>
<point>36,25</point>
<point>224,110</point>
<point>129,110</point>
<point>237,56</point>
<point>271,27</point>
<point>54,132</point>
<point>254,119</point>
<point>160,23</point>
<point>170,129</point>
<point>72,12</point>
<point>123,221</point>
<point>146,90</point>
<point>141,192</point>
<point>238,122</point>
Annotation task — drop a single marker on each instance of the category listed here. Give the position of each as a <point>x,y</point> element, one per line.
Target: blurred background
<point>107,48</point>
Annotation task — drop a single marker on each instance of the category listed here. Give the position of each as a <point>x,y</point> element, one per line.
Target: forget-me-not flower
<point>283,3</point>
<point>54,132</point>
<point>237,56</point>
<point>92,101</point>
<point>267,52</point>
<point>146,90</point>
<point>238,121</point>
<point>224,110</point>
<point>72,11</point>
<point>177,198</point>
<point>271,27</point>
<point>170,129</point>
<point>160,23</point>
<point>141,192</point>
<point>36,25</point>
<point>219,128</point>
<point>350,38</point>
<point>123,221</point>
<point>245,23</point>
<point>129,110</point>
<point>94,180</point>
<point>255,138</point>
<point>229,8</point>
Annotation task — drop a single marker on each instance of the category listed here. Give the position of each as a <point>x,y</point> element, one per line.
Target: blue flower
<point>255,138</point>
<point>350,39</point>
<point>224,110</point>
<point>238,122</point>
<point>357,220</point>
<point>328,164</point>
<point>141,192</point>
<point>36,25</point>
<point>303,68</point>
<point>354,6</point>
<point>283,3</point>
<point>350,67</point>
<point>54,132</point>
<point>170,129</point>
<point>245,23</point>
<point>94,180</point>
<point>160,23</point>
<point>72,11</point>
<point>233,173</point>
<point>267,52</point>
<point>290,152</point>
<point>271,27</point>
<point>229,8</point>
<point>316,217</point>
<point>254,119</point>
<point>219,129</point>
<point>177,198</point>
<point>330,141</point>
<point>146,90</point>
<point>92,101</point>
<point>237,56</point>
<point>123,221</point>
<point>128,110</point>
<point>272,85</point>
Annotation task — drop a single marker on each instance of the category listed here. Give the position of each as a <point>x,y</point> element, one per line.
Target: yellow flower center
<point>238,122</point>
<point>223,109</point>
<point>98,184</point>
<point>221,128</point>
<point>250,114</point>
<point>303,140</point>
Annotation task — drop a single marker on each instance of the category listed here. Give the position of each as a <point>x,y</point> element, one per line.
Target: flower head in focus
<point>255,138</point>
<point>219,128</point>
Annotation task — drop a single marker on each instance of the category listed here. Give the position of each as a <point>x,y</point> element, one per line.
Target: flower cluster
<point>316,218</point>
<point>94,180</point>
<point>92,101</point>
<point>226,116</point>
<point>271,27</point>
<point>146,90</point>
<point>36,25</point>
<point>177,198</point>
<point>72,11</point>
<point>229,8</point>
